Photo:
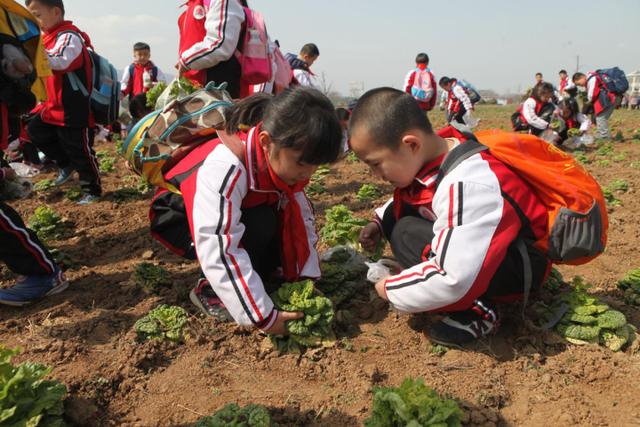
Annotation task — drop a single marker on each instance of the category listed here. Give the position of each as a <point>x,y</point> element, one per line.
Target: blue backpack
<point>472,92</point>
<point>105,89</point>
<point>614,80</point>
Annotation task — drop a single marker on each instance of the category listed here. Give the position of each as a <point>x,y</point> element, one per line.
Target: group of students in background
<point>603,93</point>
<point>241,210</point>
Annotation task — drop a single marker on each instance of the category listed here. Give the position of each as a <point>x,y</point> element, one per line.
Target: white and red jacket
<point>209,32</point>
<point>216,184</point>
<point>132,82</point>
<point>529,111</point>
<point>475,223</point>
<point>66,48</point>
<point>598,94</point>
<point>565,84</point>
<point>457,98</point>
<point>410,80</point>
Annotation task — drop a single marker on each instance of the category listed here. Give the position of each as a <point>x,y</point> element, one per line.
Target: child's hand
<point>381,289</point>
<point>279,327</point>
<point>370,236</point>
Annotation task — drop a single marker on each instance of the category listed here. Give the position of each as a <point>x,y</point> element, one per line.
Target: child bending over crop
<point>455,234</point>
<point>534,115</point>
<point>243,210</point>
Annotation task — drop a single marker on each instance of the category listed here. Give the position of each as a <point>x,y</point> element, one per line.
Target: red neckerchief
<point>50,36</point>
<point>421,191</point>
<point>136,81</point>
<point>422,66</point>
<point>268,188</point>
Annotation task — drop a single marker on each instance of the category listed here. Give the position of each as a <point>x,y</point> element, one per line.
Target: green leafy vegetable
<point>43,185</point>
<point>74,194</point>
<point>47,224</point>
<point>412,404</point>
<point>573,132</point>
<point>151,278</point>
<point>315,328</point>
<point>368,192</point>
<point>163,323</point>
<point>630,284</point>
<point>587,320</point>
<point>233,415</point>
<point>341,228</point>
<point>154,93</point>
<point>605,149</point>
<point>555,280</point>
<point>26,398</point>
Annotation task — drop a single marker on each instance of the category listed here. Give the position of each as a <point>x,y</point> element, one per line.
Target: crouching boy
<point>457,222</point>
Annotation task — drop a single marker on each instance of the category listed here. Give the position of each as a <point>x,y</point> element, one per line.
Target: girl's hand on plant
<point>370,235</point>
<point>279,327</point>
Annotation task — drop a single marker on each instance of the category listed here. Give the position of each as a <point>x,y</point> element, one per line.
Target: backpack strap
<point>130,83</point>
<point>459,154</point>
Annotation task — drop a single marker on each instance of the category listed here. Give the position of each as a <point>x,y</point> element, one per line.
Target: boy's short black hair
<point>49,3</point>
<point>445,81</point>
<point>538,74</point>
<point>141,46</point>
<point>386,114</point>
<point>563,71</point>
<point>422,58</point>
<point>577,76</point>
<point>310,49</point>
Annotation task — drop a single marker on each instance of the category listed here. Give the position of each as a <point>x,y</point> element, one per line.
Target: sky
<point>494,44</point>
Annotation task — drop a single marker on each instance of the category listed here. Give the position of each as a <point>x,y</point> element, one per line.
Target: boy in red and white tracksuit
<point>142,74</point>
<point>210,33</point>
<point>422,66</point>
<point>63,128</point>
<point>603,101</point>
<point>457,223</point>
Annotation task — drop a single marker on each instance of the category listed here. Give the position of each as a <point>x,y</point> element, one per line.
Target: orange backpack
<point>578,221</point>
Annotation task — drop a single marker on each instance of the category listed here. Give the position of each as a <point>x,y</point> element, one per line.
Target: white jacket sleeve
<point>585,122</point>
<point>304,78</point>
<point>124,82</point>
<point>224,25</point>
<point>67,49</point>
<point>462,96</point>
<point>312,268</point>
<point>529,113</point>
<point>221,186</point>
<point>467,241</point>
<point>591,88</point>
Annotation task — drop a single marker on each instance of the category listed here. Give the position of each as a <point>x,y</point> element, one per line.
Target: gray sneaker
<point>64,175</point>
<point>88,199</point>
<point>203,297</point>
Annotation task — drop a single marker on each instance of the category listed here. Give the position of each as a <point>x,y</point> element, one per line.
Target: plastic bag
<point>382,269</point>
<point>24,171</point>
<point>469,120</point>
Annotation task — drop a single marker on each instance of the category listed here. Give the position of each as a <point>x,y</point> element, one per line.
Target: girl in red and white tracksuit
<point>534,115</point>
<point>210,32</point>
<point>458,102</point>
<point>243,211</point>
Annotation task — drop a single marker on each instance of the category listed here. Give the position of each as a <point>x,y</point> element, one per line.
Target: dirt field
<point>518,377</point>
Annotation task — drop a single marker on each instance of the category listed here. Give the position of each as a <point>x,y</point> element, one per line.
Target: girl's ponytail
<point>247,113</point>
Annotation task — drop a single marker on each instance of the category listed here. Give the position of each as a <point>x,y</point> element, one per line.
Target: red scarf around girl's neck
<point>294,246</point>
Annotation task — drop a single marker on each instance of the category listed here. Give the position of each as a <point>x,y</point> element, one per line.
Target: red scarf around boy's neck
<point>49,37</point>
<point>421,191</point>
<point>294,246</point>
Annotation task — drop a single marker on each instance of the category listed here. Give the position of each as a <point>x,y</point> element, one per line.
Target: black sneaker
<point>464,327</point>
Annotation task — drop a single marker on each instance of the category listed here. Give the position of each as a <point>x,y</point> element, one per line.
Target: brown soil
<point>518,377</point>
